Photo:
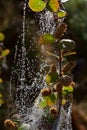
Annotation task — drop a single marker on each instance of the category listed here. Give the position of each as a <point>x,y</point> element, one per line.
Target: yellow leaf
<point>5,53</point>
<point>53,5</point>
<point>69,53</point>
<point>61,13</point>
<point>2,37</point>
<point>64,101</point>
<point>49,102</point>
<point>1,102</point>
<point>37,5</point>
<point>0,95</point>
<point>1,81</point>
<point>1,99</point>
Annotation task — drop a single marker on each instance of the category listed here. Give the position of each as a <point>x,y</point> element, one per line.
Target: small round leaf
<point>47,39</point>
<point>53,98</point>
<point>66,44</point>
<point>51,77</point>
<point>5,52</point>
<point>43,103</point>
<point>49,101</point>
<point>67,89</point>
<point>37,5</point>
<point>61,14</point>
<point>53,5</point>
<point>70,89</point>
<point>64,101</point>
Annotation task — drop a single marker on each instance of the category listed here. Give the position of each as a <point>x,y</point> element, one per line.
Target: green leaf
<point>37,5</point>
<point>64,93</point>
<point>70,89</point>
<point>24,127</point>
<point>51,77</point>
<point>67,89</point>
<point>43,103</point>
<point>49,101</point>
<point>47,39</point>
<point>61,14</point>
<point>2,36</point>
<point>48,78</point>
<point>53,5</point>
<point>53,98</point>
<point>66,44</point>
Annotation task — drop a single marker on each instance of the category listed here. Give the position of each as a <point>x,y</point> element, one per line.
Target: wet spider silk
<point>28,76</point>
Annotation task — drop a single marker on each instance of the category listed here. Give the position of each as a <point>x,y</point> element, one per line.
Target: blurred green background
<point>11,14</point>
